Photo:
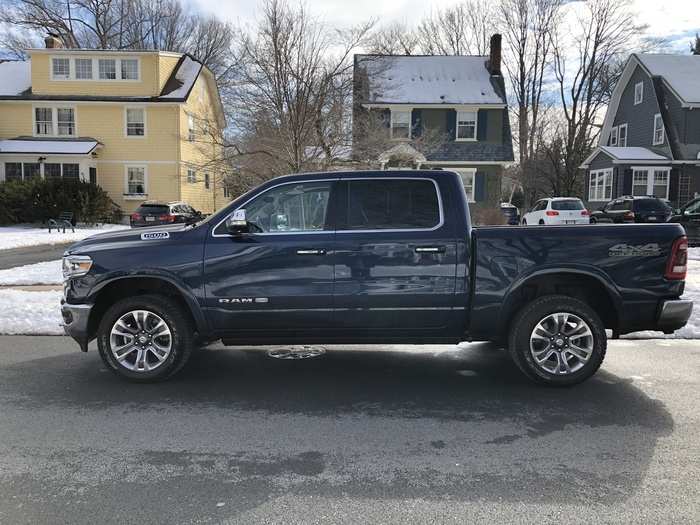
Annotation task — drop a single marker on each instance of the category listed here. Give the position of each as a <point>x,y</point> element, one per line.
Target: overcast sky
<point>677,20</point>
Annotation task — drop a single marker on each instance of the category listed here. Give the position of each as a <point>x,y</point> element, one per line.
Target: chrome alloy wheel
<point>561,343</point>
<point>140,341</point>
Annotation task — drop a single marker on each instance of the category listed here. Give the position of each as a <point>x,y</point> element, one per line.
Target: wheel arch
<point>119,288</point>
<point>588,286</point>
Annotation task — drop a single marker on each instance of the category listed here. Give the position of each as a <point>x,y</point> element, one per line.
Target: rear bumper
<point>673,314</point>
<point>75,322</point>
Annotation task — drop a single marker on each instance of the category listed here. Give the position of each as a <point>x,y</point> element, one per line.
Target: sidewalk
<point>32,254</point>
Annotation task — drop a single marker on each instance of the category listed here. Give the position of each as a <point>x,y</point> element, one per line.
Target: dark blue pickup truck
<point>371,257</point>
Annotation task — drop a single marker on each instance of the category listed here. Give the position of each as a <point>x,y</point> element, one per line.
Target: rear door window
<point>569,204</point>
<point>404,204</point>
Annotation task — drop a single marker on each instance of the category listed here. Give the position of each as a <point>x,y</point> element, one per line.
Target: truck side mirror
<point>237,224</point>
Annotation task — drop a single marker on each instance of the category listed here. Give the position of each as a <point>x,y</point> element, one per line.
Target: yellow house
<point>144,125</point>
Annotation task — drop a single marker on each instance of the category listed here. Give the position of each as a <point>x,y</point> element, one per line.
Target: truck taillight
<point>551,213</point>
<point>168,218</point>
<point>585,213</point>
<point>677,265</point>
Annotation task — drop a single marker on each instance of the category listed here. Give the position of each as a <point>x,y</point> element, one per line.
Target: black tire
<point>527,319</point>
<point>593,220</point>
<point>181,330</point>
<point>541,223</point>
<point>524,222</point>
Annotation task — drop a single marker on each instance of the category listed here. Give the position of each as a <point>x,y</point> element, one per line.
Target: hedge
<point>38,200</point>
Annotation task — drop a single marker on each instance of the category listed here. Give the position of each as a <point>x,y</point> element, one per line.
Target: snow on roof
<point>429,80</point>
<point>682,72</point>
<point>48,146</point>
<point>632,153</point>
<point>15,77</point>
<point>180,83</point>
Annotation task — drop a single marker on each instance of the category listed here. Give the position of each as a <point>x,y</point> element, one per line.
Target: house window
<point>600,185</point>
<point>467,176</point>
<point>206,181</point>
<point>135,180</point>
<point>135,122</point>
<point>613,136</point>
<point>13,171</point>
<point>66,121</point>
<point>31,170</point>
<point>190,128</point>
<point>107,68</point>
<point>60,68</point>
<point>83,68</point>
<point>130,69</point>
<point>638,93</point>
<point>71,171</point>
<point>466,125</point>
<point>191,176</point>
<point>227,192</point>
<point>650,181</point>
<point>52,171</point>
<point>401,124</point>
<point>658,130</point>
<point>622,135</point>
<point>43,118</point>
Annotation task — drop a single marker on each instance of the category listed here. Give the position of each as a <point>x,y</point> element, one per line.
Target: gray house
<point>650,141</point>
<point>445,112</point>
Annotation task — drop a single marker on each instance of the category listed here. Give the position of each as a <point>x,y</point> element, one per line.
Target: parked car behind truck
<point>557,210</point>
<point>370,257</point>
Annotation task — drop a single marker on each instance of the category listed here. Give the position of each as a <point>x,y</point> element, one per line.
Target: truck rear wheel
<point>146,338</point>
<point>558,340</point>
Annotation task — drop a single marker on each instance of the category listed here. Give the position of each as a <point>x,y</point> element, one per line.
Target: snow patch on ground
<point>32,235</point>
<point>48,272</point>
<point>36,313</point>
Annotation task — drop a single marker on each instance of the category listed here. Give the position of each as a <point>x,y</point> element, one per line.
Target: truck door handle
<point>311,252</point>
<point>430,249</point>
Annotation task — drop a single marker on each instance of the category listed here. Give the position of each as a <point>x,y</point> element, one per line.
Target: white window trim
<point>135,196</point>
<point>191,131</point>
<point>613,136</point>
<point>650,178</point>
<point>192,180</point>
<point>597,173</point>
<point>619,135</point>
<point>639,85</point>
<point>471,171</point>
<point>476,125</point>
<point>95,68</point>
<point>54,119</point>
<point>126,123</point>
<point>392,112</point>
<point>655,142</point>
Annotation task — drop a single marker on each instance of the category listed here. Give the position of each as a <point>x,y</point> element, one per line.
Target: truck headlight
<point>76,265</point>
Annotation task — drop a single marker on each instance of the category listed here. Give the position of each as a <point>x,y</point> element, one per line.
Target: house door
<point>93,175</point>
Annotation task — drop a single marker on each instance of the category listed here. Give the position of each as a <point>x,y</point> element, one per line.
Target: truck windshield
<point>568,204</point>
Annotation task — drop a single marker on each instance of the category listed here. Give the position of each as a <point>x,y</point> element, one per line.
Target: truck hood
<point>134,236</point>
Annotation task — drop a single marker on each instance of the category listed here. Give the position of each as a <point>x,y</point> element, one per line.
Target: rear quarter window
<point>392,204</point>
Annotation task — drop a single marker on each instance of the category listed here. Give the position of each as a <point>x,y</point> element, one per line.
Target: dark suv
<point>633,209</point>
<point>689,217</point>
<point>153,213</point>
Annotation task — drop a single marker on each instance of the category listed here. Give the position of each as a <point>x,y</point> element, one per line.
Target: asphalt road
<point>439,434</point>
<point>31,254</point>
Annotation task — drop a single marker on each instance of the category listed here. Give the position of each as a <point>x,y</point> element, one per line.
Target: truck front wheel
<point>557,340</point>
<point>145,338</point>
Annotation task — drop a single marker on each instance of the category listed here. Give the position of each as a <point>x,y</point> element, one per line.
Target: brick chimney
<point>494,63</point>
<point>52,41</point>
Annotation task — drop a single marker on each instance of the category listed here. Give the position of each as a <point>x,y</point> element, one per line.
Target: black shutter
<point>673,186</point>
<point>481,124</point>
<point>480,187</point>
<point>386,117</point>
<point>451,124</point>
<point>416,123</point>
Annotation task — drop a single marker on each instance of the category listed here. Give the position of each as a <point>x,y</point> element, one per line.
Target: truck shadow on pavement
<point>462,423</point>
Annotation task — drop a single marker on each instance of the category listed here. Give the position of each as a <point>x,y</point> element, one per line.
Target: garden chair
<point>64,220</point>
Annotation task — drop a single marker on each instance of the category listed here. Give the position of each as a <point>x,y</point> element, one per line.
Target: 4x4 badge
<point>634,250</point>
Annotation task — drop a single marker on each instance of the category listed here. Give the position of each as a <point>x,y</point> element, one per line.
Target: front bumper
<point>75,322</point>
<point>673,314</point>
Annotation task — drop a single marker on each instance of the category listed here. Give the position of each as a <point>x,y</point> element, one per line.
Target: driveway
<point>435,434</point>
<point>31,255</point>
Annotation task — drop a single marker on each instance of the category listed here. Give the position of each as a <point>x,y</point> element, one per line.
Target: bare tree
<point>585,58</point>
<point>463,29</point>
<point>393,39</point>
